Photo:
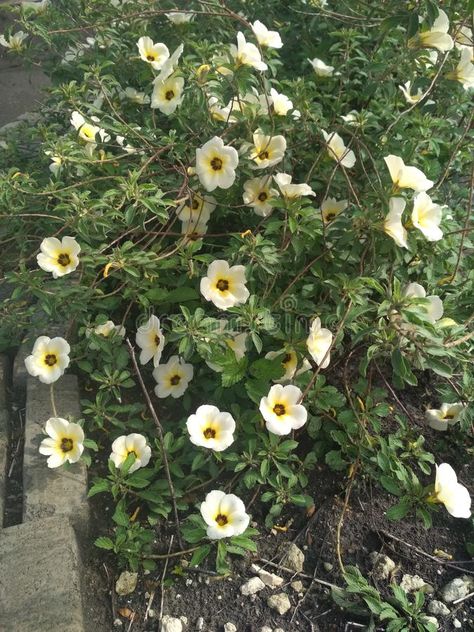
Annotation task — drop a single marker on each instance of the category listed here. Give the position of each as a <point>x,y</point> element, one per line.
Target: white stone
<point>293,558</point>
<point>438,608</point>
<point>199,624</point>
<point>297,586</point>
<point>254,585</point>
<point>457,588</point>
<point>184,620</point>
<point>171,624</point>
<point>382,565</point>
<point>230,627</point>
<point>269,579</point>
<point>457,624</point>
<point>126,583</point>
<point>279,602</point>
<point>412,583</point>
<point>265,629</point>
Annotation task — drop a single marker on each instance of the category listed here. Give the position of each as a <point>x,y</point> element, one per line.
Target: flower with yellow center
<point>87,131</point>
<point>259,195</point>
<point>266,38</point>
<point>405,177</point>
<point>173,377</point>
<point>135,444</point>
<point>464,41</point>
<point>464,72</point>
<point>289,362</point>
<point>167,95</point>
<point>65,442</point>
<point>426,216</point>
<point>108,329</point>
<point>281,410</point>
<point>291,191</point>
<point>59,257</point>
<point>224,285</point>
<point>338,151</point>
<point>219,113</point>
<point>216,164</point>
<point>267,150</point>
<point>14,42</point>
<point>320,68</point>
<point>235,341</point>
<point>454,496</point>
<point>178,18</point>
<point>447,415</point>
<point>210,428</point>
<point>393,222</point>
<point>435,37</point>
<point>153,54</point>
<point>151,341</point>
<point>224,515</point>
<point>434,307</point>
<point>331,208</point>
<point>412,98</point>
<point>247,54</point>
<point>319,343</point>
<point>281,103</point>
<point>135,96</point>
<point>49,359</point>
<point>197,209</point>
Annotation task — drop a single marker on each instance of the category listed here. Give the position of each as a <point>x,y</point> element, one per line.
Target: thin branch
<point>292,572</point>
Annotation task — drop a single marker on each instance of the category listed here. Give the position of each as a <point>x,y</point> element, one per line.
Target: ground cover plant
<point>252,221</point>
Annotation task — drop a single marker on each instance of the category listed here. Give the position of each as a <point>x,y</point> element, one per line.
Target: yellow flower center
<point>169,95</point>
<point>209,433</point>
<point>132,452</point>
<point>195,204</point>
<point>449,416</point>
<point>279,409</point>
<point>263,196</point>
<point>64,259</point>
<point>286,359</point>
<point>263,155</point>
<point>67,445</point>
<point>50,359</point>
<point>222,285</point>
<point>216,163</point>
<point>221,520</point>
<point>151,57</point>
<point>175,380</point>
<point>156,340</point>
<point>330,216</point>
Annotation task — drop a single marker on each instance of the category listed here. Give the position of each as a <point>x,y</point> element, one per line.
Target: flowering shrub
<point>251,239</point>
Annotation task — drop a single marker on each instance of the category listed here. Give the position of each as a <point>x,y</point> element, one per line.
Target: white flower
<point>167,95</point>
<point>393,222</point>
<point>87,131</point>
<point>135,444</point>
<point>291,191</point>
<point>233,340</point>
<point>338,151</point>
<point>436,37</point>
<point>179,18</point>
<point>170,64</point>
<point>194,229</point>
<point>404,177</point>
<point>281,410</point>
<point>247,54</point>
<point>426,216</point>
<point>173,377</point>
<point>151,341</point>
<point>219,113</point>
<point>224,515</point>
<point>452,494</point>
<point>412,98</point>
<point>216,164</point>
<point>197,209</point>
<point>267,150</point>
<point>354,118</point>
<point>107,328</point>
<point>49,359</point>
<point>258,195</point>
<point>37,7</point>
<point>224,285</point>
<point>211,428</point>
<point>14,42</point>
<point>125,146</point>
<point>154,54</point>
<point>447,415</point>
<point>56,163</point>
<point>464,40</point>
<point>330,209</point>
<point>59,257</point>
<point>319,343</point>
<point>289,361</point>
<point>281,103</point>
<point>434,309</point>
<point>270,39</point>
<point>320,68</point>
<point>137,97</point>
<point>464,72</point>
<point>65,442</point>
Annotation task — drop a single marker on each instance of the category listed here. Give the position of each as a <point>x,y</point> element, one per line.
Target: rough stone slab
<point>61,491</point>
<point>19,373</point>
<point>40,589</point>
<point>4,369</point>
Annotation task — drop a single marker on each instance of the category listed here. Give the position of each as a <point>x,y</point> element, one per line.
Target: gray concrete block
<point>40,587</point>
<point>52,492</point>
<point>19,372</point>
<point>4,369</point>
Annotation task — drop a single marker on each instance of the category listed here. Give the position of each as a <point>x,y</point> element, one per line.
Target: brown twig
<point>162,587</point>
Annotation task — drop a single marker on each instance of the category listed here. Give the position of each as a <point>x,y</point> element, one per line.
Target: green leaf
<point>199,555</point>
<point>104,543</point>
<point>99,487</point>
<point>398,511</point>
<point>222,565</point>
<point>120,516</point>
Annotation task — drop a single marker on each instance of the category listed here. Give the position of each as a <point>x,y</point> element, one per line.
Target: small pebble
<point>199,624</point>
<point>328,566</point>
<point>297,586</point>
<point>457,624</point>
<point>230,627</point>
<point>189,582</point>
<point>118,623</point>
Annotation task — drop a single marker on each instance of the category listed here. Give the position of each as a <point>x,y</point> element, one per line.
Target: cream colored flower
<point>216,164</point>
<point>135,96</point>
<point>464,72</point>
<point>59,257</point>
<point>37,7</point>
<point>404,177</point>
<point>211,428</point>
<point>235,341</point>
<point>151,341</point>
<point>266,38</point>
<point>319,343</point>
<point>167,95</point>
<point>338,151</point>
<point>259,195</point>
<point>14,42</point>
<point>154,54</point>
<point>224,285</point>
<point>56,163</point>
<point>291,191</point>
<point>289,361</point>
<point>135,444</point>
<point>447,415</point>
<point>464,40</point>
<point>179,18</point>
<point>435,37</point>
<point>434,308</point>
<point>65,442</point>
<point>108,328</point>
<point>281,410</point>
<point>320,68</point>
<point>247,54</point>
<point>224,515</point>
<point>220,113</point>
<point>197,210</point>
<point>331,208</point>
<point>426,216</point>
<point>173,377</point>
<point>49,359</point>
<point>170,64</point>
<point>194,229</point>
<point>452,494</point>
<point>412,98</point>
<point>267,150</point>
<point>87,131</point>
<point>393,225</point>
<point>280,102</point>
<point>354,118</point>
<point>129,149</point>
